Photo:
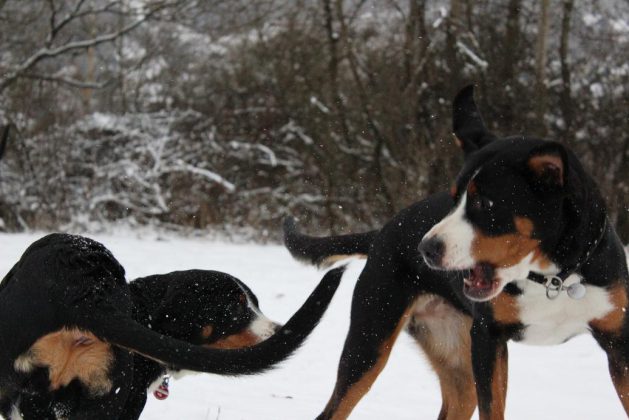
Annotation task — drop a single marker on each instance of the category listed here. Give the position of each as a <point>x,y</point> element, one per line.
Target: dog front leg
<point>379,311</point>
<point>490,365</point>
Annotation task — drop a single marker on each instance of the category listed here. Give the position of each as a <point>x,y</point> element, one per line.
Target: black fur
<point>317,250</point>
<point>4,139</point>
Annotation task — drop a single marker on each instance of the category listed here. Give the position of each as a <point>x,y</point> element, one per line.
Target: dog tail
<point>325,251</point>
<point>125,332</point>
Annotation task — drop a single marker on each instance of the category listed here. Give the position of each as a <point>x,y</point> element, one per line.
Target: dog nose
<point>432,250</point>
<point>276,327</point>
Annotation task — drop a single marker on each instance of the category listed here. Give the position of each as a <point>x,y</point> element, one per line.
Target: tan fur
<point>443,333</point>
<point>245,338</point>
<point>613,321</point>
<point>539,164</point>
<point>506,250</point>
<point>206,332</point>
<point>340,406</point>
<point>471,188</point>
<point>328,261</point>
<point>541,259</point>
<point>71,354</point>
<point>505,308</point>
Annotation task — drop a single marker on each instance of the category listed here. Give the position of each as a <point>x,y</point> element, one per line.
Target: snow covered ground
<point>569,381</point>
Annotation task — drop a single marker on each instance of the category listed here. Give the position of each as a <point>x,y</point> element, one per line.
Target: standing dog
<point>68,334</point>
<point>521,249</point>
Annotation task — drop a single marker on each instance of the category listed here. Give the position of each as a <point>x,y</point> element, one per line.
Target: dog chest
<point>553,321</point>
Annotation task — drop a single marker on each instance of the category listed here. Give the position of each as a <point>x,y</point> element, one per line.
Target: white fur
<point>24,363</point>
<point>457,234</point>
<point>443,322</point>
<point>555,321</point>
<point>15,412</point>
<point>262,326</point>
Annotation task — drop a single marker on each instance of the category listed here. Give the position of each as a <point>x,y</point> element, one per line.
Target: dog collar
<point>555,283</point>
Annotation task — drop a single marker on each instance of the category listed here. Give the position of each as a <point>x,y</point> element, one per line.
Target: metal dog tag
<point>576,291</point>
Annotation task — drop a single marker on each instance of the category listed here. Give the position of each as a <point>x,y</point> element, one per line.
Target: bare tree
<point>565,101</point>
<point>51,48</point>
<point>540,63</point>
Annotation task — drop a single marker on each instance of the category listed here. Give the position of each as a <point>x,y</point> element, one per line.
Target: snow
<point>568,381</point>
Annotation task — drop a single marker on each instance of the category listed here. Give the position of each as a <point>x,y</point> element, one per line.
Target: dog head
<point>515,199</point>
<point>215,310</point>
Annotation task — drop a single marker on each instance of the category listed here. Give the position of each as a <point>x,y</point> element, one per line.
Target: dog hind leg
<point>379,312</point>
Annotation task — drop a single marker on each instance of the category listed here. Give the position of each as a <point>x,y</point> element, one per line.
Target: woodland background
<point>230,114</point>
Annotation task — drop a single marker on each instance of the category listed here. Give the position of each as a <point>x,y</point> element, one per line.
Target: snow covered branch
<point>46,52</point>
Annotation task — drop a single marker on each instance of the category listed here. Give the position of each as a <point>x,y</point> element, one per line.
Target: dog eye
<point>483,203</point>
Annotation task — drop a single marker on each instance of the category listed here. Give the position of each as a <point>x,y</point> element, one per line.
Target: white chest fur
<point>555,321</point>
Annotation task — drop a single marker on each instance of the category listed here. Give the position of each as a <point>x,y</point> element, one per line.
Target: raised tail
<point>325,251</point>
<point>125,332</point>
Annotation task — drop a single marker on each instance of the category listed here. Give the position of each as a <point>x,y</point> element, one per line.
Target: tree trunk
<point>452,36</point>
<point>565,96</point>
<point>540,64</point>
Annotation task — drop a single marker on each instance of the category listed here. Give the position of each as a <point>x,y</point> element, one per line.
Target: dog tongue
<point>480,277</point>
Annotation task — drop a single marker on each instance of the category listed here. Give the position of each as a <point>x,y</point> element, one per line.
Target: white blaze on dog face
<point>489,241</point>
<point>263,327</point>
<point>457,234</point>
<point>254,328</point>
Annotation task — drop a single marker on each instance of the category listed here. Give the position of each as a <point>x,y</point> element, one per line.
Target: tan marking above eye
<point>505,250</point>
<point>541,164</point>
<point>472,188</point>
<point>207,331</point>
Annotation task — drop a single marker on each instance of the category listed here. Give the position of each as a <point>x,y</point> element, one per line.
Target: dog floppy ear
<point>548,166</point>
<point>467,124</point>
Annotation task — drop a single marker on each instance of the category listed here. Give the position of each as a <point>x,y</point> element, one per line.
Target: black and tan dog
<point>68,333</point>
<point>202,307</point>
<point>521,249</point>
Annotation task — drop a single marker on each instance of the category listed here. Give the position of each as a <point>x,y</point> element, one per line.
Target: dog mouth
<point>480,282</point>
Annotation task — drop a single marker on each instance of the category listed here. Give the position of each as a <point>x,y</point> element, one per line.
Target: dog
<point>68,333</point>
<point>202,307</point>
<point>519,249</point>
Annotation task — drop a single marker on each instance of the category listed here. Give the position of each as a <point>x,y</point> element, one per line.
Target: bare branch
<point>56,27</point>
<point>44,53</point>
<point>68,81</point>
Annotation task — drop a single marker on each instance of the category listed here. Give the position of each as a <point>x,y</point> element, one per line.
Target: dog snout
<point>275,327</point>
<point>432,250</point>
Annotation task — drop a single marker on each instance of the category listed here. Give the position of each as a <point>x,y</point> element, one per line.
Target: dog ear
<point>467,124</point>
<point>548,165</point>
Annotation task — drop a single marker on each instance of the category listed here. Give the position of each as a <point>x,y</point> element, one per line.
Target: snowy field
<point>569,381</point>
